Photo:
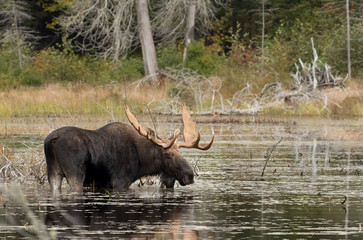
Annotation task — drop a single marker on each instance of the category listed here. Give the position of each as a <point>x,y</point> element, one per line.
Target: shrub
<point>169,57</point>
<point>58,66</point>
<point>129,69</point>
<point>30,78</point>
<point>200,58</point>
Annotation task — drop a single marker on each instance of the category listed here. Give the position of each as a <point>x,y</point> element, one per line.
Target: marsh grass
<point>87,100</point>
<point>72,99</point>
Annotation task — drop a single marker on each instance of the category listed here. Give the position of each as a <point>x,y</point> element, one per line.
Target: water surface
<point>311,188</point>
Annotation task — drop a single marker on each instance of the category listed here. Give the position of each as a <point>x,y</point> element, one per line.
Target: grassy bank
<point>78,99</point>
<point>71,99</point>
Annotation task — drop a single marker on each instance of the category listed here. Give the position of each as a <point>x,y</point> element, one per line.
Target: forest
<point>218,56</point>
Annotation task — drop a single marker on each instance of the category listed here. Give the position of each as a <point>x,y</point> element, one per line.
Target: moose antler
<point>191,138</point>
<point>165,143</point>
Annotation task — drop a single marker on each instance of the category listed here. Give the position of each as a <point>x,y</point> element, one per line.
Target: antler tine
<point>134,122</point>
<point>161,142</point>
<point>208,146</point>
<point>191,138</point>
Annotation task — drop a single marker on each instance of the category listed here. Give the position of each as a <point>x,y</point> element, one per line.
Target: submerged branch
<point>268,156</point>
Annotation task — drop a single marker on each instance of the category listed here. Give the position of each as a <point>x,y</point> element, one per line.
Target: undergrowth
<point>57,80</point>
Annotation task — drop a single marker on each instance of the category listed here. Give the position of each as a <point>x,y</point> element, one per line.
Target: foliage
<point>201,59</point>
<point>54,7</point>
<point>292,41</point>
<point>10,73</point>
<point>60,64</point>
<point>14,32</point>
<point>170,57</point>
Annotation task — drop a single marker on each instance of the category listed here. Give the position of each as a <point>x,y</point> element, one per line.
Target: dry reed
<point>82,99</point>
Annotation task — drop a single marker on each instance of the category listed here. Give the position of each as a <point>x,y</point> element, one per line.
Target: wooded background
<point>103,41</point>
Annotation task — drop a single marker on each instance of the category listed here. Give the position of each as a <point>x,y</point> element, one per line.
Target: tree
<point>179,19</point>
<point>13,16</point>
<point>146,39</point>
<point>263,37</point>
<point>348,40</point>
<point>108,29</point>
<point>103,28</point>
<point>190,26</point>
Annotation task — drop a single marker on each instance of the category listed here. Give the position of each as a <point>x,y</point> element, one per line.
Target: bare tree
<point>146,39</point>
<point>263,37</point>
<point>179,19</point>
<point>108,28</point>
<point>348,40</point>
<point>13,14</point>
<point>104,28</point>
<point>111,29</point>
<point>190,26</point>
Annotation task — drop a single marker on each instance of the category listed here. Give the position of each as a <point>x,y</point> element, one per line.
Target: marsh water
<point>311,187</point>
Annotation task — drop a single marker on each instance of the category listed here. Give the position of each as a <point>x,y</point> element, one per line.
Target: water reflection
<point>124,217</point>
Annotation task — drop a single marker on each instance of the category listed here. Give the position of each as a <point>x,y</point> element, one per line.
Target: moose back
<point>118,154</point>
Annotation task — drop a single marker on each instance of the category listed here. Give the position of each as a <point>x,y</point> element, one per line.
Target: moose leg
<point>75,176</point>
<point>120,184</point>
<point>55,178</point>
<point>76,184</point>
<point>74,162</point>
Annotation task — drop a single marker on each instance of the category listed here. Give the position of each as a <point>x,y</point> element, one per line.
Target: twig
<point>152,119</point>
<point>105,108</point>
<point>269,156</point>
<point>6,135</point>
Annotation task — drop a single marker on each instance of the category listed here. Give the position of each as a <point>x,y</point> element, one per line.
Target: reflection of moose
<point>116,155</point>
<point>160,219</point>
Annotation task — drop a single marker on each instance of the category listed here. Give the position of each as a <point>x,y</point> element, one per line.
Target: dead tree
<point>179,19</point>
<point>147,41</point>
<point>110,29</point>
<point>13,16</point>
<point>312,76</point>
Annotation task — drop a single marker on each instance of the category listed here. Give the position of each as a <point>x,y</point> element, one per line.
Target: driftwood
<point>313,76</point>
<point>206,95</point>
<point>308,80</point>
<point>209,101</point>
<point>203,91</point>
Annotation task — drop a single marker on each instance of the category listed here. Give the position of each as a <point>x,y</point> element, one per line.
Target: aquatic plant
<point>33,227</point>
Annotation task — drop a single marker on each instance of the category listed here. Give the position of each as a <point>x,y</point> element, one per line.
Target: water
<point>311,189</point>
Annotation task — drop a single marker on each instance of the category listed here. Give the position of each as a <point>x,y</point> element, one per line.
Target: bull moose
<point>116,155</point>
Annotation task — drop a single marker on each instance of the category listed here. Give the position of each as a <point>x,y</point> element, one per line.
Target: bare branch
<point>102,27</point>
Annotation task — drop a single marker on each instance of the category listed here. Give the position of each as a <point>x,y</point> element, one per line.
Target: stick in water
<point>269,156</point>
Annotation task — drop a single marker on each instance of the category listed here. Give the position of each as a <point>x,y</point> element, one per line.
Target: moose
<point>117,154</point>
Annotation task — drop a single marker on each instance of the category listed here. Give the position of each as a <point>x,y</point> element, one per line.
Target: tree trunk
<point>189,33</point>
<point>147,42</point>
<point>263,38</point>
<point>348,41</point>
<point>18,39</point>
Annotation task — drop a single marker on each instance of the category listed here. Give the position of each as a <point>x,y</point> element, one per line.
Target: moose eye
<point>170,155</point>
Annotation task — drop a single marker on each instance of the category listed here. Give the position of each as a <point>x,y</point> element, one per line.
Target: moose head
<point>175,166</point>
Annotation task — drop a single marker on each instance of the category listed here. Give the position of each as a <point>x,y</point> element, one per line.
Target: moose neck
<point>150,158</point>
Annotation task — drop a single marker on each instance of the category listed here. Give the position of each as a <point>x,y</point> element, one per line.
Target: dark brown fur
<point>113,156</point>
